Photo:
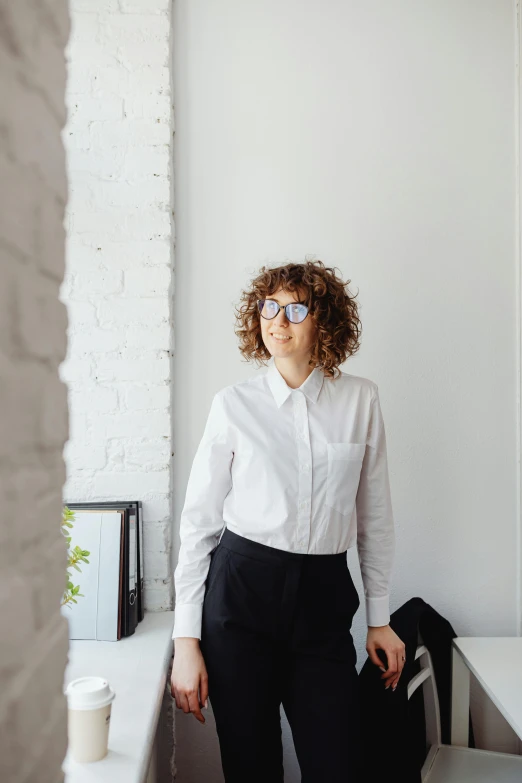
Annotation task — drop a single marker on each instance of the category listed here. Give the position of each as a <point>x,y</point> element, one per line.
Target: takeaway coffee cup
<point>89,701</point>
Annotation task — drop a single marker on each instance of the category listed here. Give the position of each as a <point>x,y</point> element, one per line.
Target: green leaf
<point>75,555</point>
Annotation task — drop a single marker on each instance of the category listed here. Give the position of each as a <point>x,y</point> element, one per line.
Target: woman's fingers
<point>203,692</point>
<point>188,702</point>
<point>182,702</point>
<point>400,667</point>
<point>194,707</point>
<point>400,664</point>
<point>395,680</point>
<point>391,671</point>
<point>372,652</point>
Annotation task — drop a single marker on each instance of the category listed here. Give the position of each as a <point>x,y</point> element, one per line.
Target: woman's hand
<point>189,674</point>
<point>383,637</point>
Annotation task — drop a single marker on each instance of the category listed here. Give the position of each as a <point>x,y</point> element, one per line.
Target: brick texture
<point>33,401</point>
<point>118,282</point>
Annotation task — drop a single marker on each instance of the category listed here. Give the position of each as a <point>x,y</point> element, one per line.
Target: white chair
<point>452,763</point>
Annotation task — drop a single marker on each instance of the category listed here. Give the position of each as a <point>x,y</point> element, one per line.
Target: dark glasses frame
<point>261,302</point>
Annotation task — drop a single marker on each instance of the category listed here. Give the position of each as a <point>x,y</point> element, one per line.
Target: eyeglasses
<point>295,311</point>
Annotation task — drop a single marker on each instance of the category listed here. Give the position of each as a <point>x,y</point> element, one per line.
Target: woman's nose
<point>281,317</point>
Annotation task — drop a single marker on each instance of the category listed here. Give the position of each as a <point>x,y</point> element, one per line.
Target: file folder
<point>130,591</point>
<point>98,613</point>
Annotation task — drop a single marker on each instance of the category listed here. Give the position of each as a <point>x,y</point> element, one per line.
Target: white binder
<point>97,615</point>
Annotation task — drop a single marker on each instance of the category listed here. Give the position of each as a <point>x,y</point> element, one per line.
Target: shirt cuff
<point>378,610</point>
<point>187,620</point>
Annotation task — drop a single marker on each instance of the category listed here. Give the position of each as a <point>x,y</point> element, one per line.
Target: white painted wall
<point>381,138</point>
<point>119,266</point>
<point>33,401</point>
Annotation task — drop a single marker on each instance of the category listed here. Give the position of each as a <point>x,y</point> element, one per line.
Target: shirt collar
<point>281,390</point>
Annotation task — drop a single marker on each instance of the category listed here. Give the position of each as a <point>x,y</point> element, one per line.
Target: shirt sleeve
<point>375,525</point>
<point>201,519</point>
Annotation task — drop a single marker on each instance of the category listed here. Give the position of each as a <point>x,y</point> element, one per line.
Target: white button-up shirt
<point>304,470</point>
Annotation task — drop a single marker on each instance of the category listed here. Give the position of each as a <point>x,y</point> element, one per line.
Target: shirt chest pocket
<point>344,470</point>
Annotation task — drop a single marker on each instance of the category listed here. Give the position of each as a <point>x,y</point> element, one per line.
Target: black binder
<point>139,609</point>
<point>132,598</point>
<point>139,572</point>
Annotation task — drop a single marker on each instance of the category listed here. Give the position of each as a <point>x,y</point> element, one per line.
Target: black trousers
<point>276,630</point>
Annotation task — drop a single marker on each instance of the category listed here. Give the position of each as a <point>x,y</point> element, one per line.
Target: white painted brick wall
<point>33,402</point>
<point>118,280</point>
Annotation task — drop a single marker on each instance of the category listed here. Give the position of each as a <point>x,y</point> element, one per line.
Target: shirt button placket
<point>304,456</point>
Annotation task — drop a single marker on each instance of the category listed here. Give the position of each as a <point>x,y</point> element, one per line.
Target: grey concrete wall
<point>33,402</point>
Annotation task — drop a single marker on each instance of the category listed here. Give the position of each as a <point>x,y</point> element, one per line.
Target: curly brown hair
<point>330,303</point>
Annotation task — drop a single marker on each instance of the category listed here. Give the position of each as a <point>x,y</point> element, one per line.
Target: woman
<point>264,613</point>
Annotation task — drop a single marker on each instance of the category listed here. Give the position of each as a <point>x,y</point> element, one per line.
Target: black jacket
<point>393,727</point>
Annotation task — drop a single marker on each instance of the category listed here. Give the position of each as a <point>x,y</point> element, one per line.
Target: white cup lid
<point>88,693</point>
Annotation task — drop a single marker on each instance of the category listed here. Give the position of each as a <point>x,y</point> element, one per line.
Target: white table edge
<point>500,707</point>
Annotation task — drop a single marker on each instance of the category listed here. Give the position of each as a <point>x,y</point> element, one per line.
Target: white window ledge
<point>136,668</point>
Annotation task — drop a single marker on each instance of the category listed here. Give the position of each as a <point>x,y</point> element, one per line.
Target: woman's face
<point>302,336</point>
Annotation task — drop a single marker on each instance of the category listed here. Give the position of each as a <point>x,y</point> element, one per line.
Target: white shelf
<point>136,668</point>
